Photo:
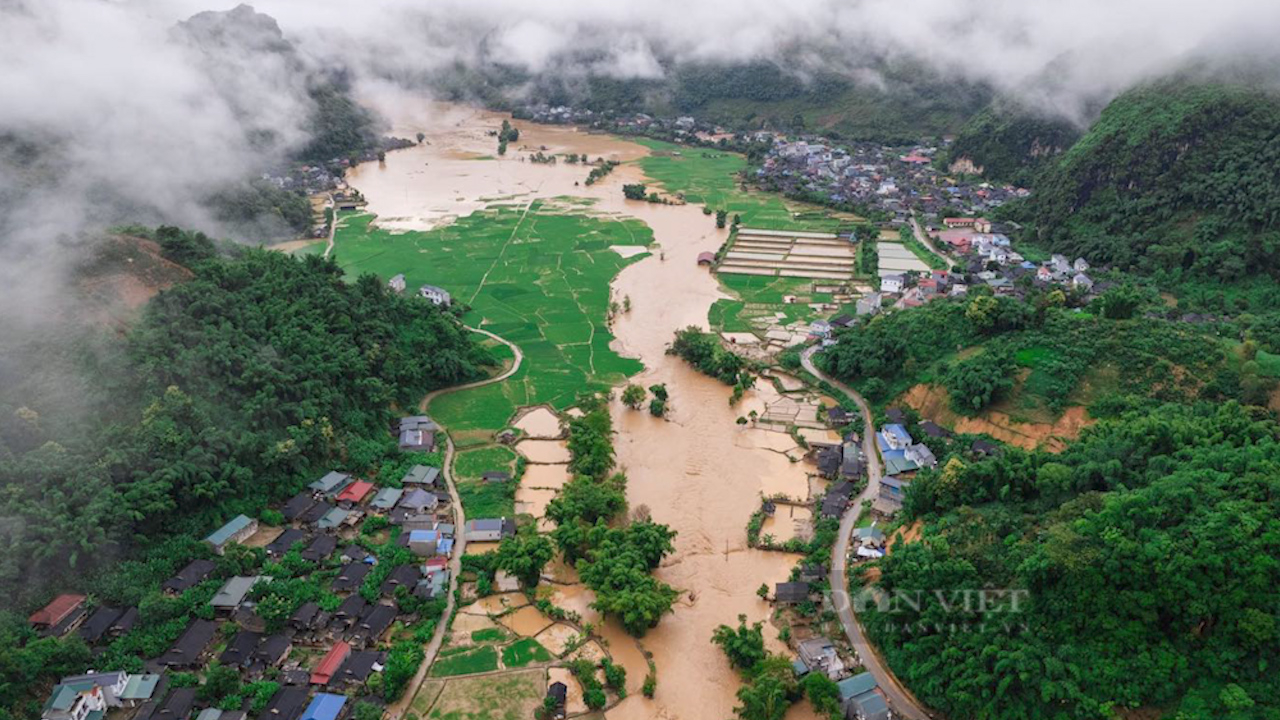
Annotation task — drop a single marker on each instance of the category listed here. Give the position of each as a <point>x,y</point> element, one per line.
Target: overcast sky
<point>140,120</point>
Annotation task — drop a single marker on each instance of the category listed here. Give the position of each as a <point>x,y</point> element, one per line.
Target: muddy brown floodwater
<point>697,471</point>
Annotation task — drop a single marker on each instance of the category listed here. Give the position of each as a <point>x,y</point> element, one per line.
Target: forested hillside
<point>1006,143</point>
<point>1172,177</point>
<point>1146,553</point>
<point>232,390</point>
<point>911,103</point>
<point>1141,552</point>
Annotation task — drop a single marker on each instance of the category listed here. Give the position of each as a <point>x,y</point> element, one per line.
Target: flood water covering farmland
<point>697,470</point>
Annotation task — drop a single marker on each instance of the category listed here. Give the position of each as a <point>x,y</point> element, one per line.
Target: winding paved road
<point>927,241</point>
<point>397,710</point>
<point>904,705</point>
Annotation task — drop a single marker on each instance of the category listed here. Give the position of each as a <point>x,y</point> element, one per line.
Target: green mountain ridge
<point>1171,176</point>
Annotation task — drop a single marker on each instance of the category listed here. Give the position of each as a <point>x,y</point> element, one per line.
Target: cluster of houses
<point>860,697</point>
<point>895,181</point>
<point>437,295</point>
<point>321,524</point>
<point>990,259</point>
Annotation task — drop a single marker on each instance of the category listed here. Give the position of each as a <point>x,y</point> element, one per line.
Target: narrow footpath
<point>904,705</point>
<point>397,709</point>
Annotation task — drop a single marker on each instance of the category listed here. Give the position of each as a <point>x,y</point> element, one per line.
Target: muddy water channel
<point>697,471</point>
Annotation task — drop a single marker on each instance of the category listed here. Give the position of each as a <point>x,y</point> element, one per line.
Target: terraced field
<point>777,253</point>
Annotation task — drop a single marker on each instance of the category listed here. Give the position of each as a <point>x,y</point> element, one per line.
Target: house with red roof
<point>356,492</point>
<point>60,616</point>
<point>330,664</point>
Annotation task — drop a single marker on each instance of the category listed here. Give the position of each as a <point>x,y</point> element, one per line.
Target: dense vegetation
<point>1009,144</point>
<point>1172,177</point>
<point>1057,352</point>
<point>236,387</point>
<point>1143,561</point>
<point>260,209</point>
<point>615,560</point>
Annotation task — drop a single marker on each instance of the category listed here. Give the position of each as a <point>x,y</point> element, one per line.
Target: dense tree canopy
<point>1145,555</point>
<point>1176,175</point>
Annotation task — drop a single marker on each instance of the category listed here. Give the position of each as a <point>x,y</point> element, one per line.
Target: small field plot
<point>709,177</point>
<point>536,274</point>
<point>485,499</point>
<point>467,662</point>
<point>760,298</point>
<point>897,258</point>
<point>506,696</point>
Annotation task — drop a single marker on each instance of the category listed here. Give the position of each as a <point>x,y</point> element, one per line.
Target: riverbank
<point>697,471</point>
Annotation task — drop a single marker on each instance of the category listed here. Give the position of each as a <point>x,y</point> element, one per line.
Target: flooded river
<point>697,471</point>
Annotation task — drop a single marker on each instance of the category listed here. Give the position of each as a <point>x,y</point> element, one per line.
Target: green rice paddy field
<point>709,177</point>
<point>537,274</point>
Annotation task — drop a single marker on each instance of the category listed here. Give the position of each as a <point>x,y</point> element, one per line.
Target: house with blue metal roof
<point>325,706</point>
<point>893,437</point>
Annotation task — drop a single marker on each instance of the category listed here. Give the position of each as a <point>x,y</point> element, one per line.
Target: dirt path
<point>900,699</point>
<point>397,710</point>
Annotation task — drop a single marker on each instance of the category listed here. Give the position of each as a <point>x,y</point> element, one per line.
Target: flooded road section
<point>697,471</point>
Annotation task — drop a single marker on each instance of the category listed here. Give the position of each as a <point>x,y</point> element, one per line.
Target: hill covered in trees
<point>909,103</point>
<point>232,390</point>
<point>1175,177</point>
<point>1144,558</point>
<point>1006,143</point>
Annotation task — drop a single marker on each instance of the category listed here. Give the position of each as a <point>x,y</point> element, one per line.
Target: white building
<point>437,295</point>
<point>397,283</point>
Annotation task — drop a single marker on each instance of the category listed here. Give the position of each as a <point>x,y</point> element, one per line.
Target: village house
<point>557,696</point>
<point>868,304</point>
<point>334,519</point>
<point>286,704</point>
<point>892,491</point>
<point>819,655</point>
<point>791,592</point>
<point>240,528</point>
<point>417,434</point>
<point>325,706</point>
<point>350,577</point>
<point>1082,282</point>
<point>386,500</point>
<point>188,651</point>
<point>330,663</point>
<point>402,576</point>
<point>360,664</point>
<point>298,505</point>
<point>234,592</point>
<point>331,484</point>
<point>836,500</point>
<point>315,513</point>
<point>62,615</point>
<point>355,493</point>
<point>285,541</point>
<point>177,706</point>
<point>437,295</point>
<point>397,283</point>
<point>421,474</point>
<point>320,548</point>
<point>372,624</point>
<point>188,577</point>
<point>423,542</point>
<point>892,283</point>
<point>99,623</point>
<point>861,700</point>
<point>488,530</point>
